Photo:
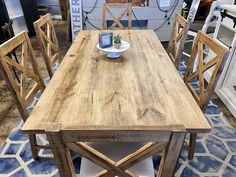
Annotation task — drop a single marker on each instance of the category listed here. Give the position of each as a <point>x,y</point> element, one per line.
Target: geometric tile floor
<point>215,152</point>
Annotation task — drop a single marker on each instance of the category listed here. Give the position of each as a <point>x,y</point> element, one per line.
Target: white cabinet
<point>226,89</point>
<point>16,14</point>
<point>226,34</point>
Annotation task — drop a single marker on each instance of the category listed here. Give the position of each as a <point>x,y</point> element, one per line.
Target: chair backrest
<point>212,12</point>
<point>69,141</point>
<point>48,41</point>
<point>215,63</point>
<point>107,11</point>
<point>27,70</point>
<point>177,39</point>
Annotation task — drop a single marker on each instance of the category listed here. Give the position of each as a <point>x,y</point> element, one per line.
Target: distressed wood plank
<point>139,96</point>
<point>90,92</point>
<point>171,155</point>
<point>62,155</point>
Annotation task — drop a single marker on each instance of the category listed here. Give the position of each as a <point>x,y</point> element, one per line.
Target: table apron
<point>120,136</point>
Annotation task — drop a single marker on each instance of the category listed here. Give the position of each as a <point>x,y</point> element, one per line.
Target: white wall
<point>15,12</point>
<point>154,16</point>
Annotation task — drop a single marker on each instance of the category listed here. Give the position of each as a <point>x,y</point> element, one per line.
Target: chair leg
<point>192,143</point>
<point>33,143</point>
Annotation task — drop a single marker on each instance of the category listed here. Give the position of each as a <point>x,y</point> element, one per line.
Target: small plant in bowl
<point>117,41</point>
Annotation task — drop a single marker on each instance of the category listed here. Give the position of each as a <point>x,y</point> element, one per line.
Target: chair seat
<point>116,151</point>
<point>197,26</point>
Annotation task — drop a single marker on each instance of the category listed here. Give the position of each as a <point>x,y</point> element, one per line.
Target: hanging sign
<point>76,17</point>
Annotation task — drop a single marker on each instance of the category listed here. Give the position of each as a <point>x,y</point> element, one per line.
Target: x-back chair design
<point>67,140</point>
<point>107,10</point>
<point>177,39</point>
<point>28,71</point>
<point>48,41</point>
<point>9,33</point>
<point>216,64</point>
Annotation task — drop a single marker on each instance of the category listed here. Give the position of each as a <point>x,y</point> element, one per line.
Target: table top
<point>142,90</point>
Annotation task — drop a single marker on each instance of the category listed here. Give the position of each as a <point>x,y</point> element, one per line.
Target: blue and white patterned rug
<point>215,152</point>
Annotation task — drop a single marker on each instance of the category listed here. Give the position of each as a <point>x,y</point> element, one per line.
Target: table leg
<point>61,154</point>
<point>171,155</point>
<point>192,144</point>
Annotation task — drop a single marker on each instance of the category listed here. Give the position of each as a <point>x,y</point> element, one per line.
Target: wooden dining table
<point>134,98</point>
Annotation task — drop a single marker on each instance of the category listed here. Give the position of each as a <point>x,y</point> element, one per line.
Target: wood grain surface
<point>142,90</point>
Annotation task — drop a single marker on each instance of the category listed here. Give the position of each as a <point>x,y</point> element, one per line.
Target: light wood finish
<point>7,34</point>
<point>116,151</point>
<point>107,11</point>
<point>171,155</point>
<point>120,167</point>
<point>27,57</point>
<point>217,63</point>
<point>132,99</point>
<point>47,38</point>
<point>61,154</point>
<point>177,39</point>
<point>170,143</point>
<point>134,91</point>
<point>22,96</point>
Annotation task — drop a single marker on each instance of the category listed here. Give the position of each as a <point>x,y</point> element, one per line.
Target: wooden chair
<point>215,64</point>
<point>103,159</point>
<point>28,72</point>
<point>48,41</point>
<point>107,10</point>
<point>8,33</point>
<point>177,39</point>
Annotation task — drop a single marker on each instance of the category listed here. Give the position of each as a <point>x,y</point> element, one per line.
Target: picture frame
<point>105,39</point>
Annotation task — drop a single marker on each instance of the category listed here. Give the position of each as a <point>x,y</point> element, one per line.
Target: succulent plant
<point>117,39</point>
